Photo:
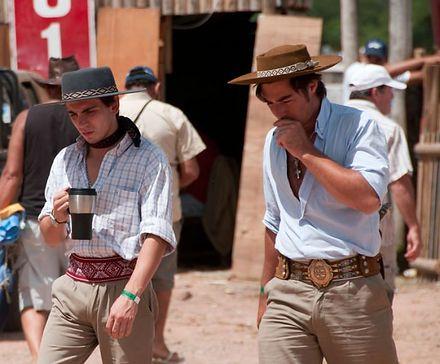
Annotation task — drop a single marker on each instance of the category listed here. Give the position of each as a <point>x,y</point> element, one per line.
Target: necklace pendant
<point>297,169</point>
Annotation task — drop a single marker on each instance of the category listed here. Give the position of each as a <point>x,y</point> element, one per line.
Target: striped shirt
<point>133,197</point>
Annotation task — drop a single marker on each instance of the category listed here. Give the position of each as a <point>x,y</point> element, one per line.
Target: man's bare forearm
<point>188,172</point>
<point>402,192</point>
<point>12,175</point>
<point>347,186</point>
<point>53,234</point>
<point>148,260</point>
<point>270,257</point>
<point>9,185</point>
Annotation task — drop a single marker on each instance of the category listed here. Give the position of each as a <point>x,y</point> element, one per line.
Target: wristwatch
<point>54,221</point>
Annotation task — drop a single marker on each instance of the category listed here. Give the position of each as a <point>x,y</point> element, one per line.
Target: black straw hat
<point>89,83</point>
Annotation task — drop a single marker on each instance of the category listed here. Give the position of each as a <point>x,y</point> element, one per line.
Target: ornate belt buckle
<point>320,273</point>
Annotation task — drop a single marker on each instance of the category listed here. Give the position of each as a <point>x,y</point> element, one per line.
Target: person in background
<point>372,91</point>
<point>169,128</point>
<point>38,135</point>
<point>375,51</point>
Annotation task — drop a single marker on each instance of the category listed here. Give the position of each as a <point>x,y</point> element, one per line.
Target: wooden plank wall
<point>4,35</point>
<point>186,7</point>
<point>124,44</point>
<point>273,30</point>
<point>428,151</point>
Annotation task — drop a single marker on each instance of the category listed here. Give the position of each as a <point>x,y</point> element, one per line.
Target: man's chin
<point>89,138</point>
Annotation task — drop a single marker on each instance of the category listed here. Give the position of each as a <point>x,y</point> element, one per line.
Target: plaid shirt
<point>133,197</point>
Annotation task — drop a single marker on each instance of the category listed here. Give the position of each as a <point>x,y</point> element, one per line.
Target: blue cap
<point>376,48</point>
<point>140,73</point>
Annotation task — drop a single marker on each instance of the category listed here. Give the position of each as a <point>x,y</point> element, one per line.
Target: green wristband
<point>261,290</point>
<point>131,296</point>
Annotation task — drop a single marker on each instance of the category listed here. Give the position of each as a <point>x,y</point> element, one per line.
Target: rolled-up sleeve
<point>271,217</point>
<point>156,202</point>
<point>367,154</point>
<point>52,184</point>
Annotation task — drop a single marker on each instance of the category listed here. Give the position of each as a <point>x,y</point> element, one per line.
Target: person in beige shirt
<point>169,128</point>
<point>372,91</point>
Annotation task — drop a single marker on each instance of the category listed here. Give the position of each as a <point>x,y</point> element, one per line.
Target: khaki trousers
<point>76,324</point>
<point>389,258</point>
<point>348,322</point>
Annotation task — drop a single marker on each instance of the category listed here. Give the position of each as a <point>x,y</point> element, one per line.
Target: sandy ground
<point>212,320</point>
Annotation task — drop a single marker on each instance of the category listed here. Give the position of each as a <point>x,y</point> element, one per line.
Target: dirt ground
<point>212,320</point>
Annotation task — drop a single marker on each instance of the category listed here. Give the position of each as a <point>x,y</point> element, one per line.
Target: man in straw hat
<point>106,297</point>
<point>372,91</point>
<point>37,136</point>
<point>325,172</point>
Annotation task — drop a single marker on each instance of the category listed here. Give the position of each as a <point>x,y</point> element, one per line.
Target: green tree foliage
<point>372,21</point>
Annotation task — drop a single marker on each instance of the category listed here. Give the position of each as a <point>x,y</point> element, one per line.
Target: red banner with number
<point>51,28</point>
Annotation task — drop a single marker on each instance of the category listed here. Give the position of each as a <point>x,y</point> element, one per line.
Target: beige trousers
<point>389,257</point>
<point>349,322</point>
<point>76,324</point>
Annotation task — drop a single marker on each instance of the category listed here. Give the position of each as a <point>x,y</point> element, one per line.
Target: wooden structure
<point>428,152</point>
<point>187,7</point>
<point>123,44</point>
<point>192,7</point>
<point>4,36</point>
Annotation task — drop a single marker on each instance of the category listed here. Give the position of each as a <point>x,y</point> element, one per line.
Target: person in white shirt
<point>372,91</point>
<point>375,51</point>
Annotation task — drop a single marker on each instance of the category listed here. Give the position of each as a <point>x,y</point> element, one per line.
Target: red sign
<point>51,28</point>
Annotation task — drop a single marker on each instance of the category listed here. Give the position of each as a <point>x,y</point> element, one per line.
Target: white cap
<point>372,75</point>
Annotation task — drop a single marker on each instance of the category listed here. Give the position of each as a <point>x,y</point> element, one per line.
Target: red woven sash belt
<point>98,270</point>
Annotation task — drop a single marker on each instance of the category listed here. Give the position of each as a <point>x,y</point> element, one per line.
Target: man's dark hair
<point>364,94</point>
<point>108,100</point>
<point>299,84</point>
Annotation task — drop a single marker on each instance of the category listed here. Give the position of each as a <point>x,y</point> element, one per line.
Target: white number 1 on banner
<point>53,35</point>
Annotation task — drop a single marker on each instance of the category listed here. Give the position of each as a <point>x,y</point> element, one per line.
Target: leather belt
<point>99,270</point>
<point>321,272</point>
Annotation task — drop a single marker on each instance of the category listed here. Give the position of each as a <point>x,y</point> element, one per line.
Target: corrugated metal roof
<point>187,7</point>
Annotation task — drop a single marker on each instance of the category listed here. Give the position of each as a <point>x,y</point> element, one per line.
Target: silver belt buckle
<point>320,273</point>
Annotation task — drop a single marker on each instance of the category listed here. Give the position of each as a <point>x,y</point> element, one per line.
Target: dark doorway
<point>205,58</point>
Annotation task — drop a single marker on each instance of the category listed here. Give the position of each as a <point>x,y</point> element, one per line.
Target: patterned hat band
<point>102,91</point>
<point>297,67</point>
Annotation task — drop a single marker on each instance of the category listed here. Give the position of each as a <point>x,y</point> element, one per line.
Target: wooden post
<point>349,31</point>
<point>4,36</point>
<point>127,3</point>
<point>142,3</point>
<point>167,7</point>
<point>116,3</point>
<point>269,6</point>
<point>400,46</point>
<point>3,12</point>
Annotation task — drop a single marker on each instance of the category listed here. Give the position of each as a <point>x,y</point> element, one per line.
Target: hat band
<point>102,91</point>
<point>297,67</point>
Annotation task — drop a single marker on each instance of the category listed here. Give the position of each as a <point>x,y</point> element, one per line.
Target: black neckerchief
<point>125,125</point>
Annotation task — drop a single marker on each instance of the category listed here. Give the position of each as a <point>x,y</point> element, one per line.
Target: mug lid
<point>82,191</point>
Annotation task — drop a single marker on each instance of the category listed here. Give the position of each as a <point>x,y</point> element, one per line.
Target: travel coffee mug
<point>82,207</point>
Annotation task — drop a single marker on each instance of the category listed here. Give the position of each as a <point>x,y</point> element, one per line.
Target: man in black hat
<point>38,134</point>
<point>325,172</point>
<point>106,297</point>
